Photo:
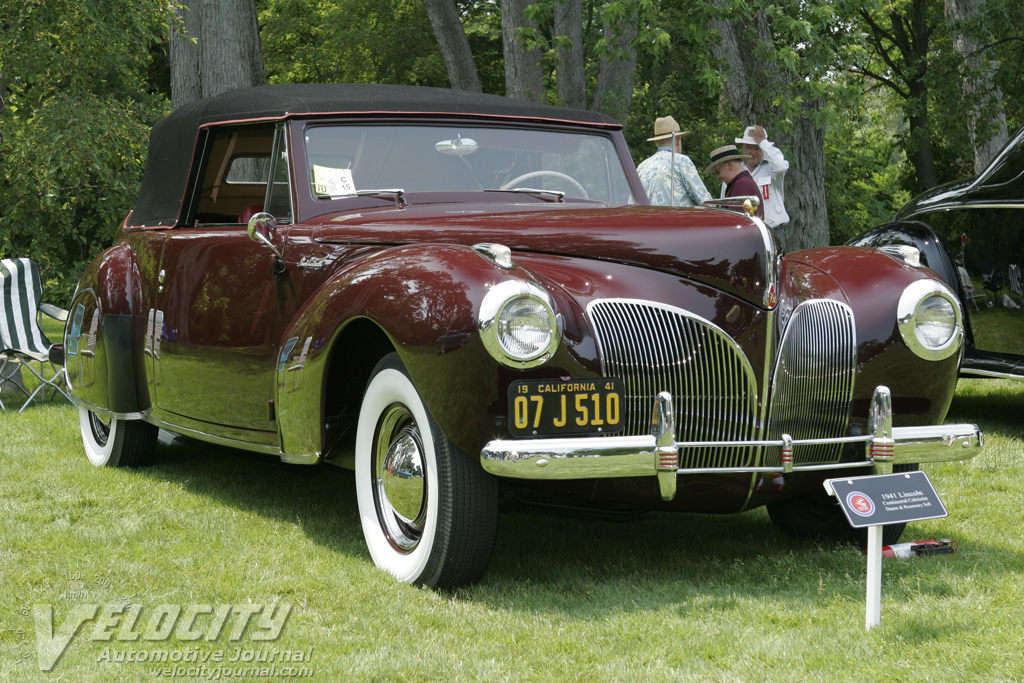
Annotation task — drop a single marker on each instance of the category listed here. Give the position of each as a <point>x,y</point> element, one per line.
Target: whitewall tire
<point>427,510</point>
<point>112,442</point>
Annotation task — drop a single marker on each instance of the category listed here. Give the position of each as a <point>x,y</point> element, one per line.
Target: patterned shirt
<point>686,188</point>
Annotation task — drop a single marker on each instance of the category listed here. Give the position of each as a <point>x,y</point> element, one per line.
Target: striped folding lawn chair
<point>22,342</point>
<point>1013,275</point>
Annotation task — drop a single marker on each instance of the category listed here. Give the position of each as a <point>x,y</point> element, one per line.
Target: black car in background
<point>971,233</point>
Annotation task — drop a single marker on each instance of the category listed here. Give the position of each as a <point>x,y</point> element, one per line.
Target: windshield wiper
<point>397,193</point>
<point>559,196</point>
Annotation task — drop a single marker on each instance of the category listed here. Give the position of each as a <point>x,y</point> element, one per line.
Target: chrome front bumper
<point>658,453</point>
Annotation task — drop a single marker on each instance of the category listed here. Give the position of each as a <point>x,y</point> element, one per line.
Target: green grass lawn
<point>568,597</point>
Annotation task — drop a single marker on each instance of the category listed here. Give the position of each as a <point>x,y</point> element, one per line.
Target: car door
<point>220,293</point>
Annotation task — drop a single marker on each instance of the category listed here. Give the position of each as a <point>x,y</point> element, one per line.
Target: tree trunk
<point>915,50</point>
<point>614,91</point>
<point>451,39</point>
<point>805,183</point>
<point>226,53</point>
<point>987,112</point>
<point>922,156</point>
<point>749,84</point>
<point>572,84</point>
<point>523,77</point>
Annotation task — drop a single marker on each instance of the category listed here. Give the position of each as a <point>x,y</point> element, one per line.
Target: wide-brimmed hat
<point>724,154</point>
<point>748,137</point>
<point>665,127</point>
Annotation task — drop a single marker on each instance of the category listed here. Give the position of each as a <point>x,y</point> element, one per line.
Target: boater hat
<point>724,154</point>
<point>664,127</point>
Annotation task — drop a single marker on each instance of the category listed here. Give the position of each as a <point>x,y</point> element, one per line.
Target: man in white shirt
<point>768,167</point>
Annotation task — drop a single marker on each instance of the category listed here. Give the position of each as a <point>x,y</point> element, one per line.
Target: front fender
<point>871,282</point>
<point>103,338</point>
<point>424,300</point>
<point>913,234</point>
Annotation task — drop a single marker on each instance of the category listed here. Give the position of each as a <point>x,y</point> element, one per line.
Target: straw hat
<point>664,127</point>
<point>724,154</point>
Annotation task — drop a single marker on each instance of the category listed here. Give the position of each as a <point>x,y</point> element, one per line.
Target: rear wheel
<point>819,516</point>
<point>112,442</point>
<point>428,511</point>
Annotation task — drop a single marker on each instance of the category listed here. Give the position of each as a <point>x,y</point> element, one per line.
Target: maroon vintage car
<point>476,290</point>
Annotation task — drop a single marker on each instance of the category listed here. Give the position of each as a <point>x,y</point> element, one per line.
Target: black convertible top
<point>172,141</point>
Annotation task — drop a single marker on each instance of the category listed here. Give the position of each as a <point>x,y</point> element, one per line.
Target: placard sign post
<point>874,501</point>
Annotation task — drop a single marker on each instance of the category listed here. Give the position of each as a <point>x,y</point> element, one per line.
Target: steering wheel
<point>540,174</point>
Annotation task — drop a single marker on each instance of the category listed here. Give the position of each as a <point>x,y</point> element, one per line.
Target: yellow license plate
<point>566,407</point>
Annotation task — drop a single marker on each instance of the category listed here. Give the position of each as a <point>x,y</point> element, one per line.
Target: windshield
<point>553,165</point>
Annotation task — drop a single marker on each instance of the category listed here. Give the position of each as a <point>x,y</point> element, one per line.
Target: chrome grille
<point>813,381</point>
<point>655,348</point>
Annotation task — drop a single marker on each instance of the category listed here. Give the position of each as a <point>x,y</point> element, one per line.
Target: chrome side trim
<point>970,372</point>
<point>103,412</point>
<point>224,441</point>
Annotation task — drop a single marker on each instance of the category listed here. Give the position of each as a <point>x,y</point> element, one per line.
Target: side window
<point>233,183</point>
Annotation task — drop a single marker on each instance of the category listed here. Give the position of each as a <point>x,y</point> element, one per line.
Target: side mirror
<point>261,229</point>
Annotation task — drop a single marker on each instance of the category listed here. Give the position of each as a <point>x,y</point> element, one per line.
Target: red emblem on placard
<point>771,299</point>
<point>860,504</point>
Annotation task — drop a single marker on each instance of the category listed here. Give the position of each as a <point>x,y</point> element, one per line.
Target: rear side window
<point>244,172</point>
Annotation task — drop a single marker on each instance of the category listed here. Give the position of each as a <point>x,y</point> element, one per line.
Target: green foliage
<point>72,172</point>
<point>864,170</point>
<point>74,126</point>
<point>678,82</point>
<point>349,41</point>
<point>483,31</point>
<point>82,82</point>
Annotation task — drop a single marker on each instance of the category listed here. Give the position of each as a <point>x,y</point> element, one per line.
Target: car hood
<point>721,248</point>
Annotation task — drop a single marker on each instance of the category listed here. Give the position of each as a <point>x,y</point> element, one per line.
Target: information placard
<point>881,499</point>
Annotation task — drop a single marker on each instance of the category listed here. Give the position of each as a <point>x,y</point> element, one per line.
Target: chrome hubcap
<point>100,429</point>
<point>400,491</point>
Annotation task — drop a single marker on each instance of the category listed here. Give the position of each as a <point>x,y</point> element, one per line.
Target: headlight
<point>929,319</point>
<point>518,325</point>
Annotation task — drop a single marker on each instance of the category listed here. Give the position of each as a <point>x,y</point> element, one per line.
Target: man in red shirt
<point>727,165</point>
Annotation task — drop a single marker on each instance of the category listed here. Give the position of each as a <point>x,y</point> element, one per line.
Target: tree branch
<point>881,79</point>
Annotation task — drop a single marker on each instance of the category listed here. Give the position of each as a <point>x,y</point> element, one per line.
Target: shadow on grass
<point>995,405</point>
<point>558,559</point>
<point>321,498</point>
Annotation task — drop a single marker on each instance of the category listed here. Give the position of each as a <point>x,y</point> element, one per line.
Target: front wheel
<point>818,515</point>
<point>114,442</point>
<point>428,512</point>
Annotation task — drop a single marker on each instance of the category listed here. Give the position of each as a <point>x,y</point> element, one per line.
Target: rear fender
<point>103,337</point>
<point>420,301</point>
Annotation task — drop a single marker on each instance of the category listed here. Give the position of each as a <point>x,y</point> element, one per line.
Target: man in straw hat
<point>727,164</point>
<point>768,168</point>
<point>668,176</point>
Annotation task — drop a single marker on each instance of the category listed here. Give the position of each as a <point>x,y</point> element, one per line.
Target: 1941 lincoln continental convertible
<point>452,292</point>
